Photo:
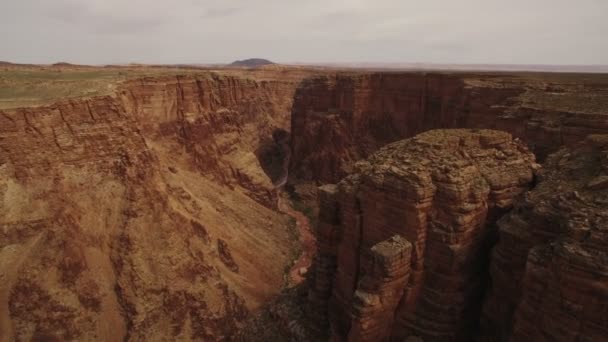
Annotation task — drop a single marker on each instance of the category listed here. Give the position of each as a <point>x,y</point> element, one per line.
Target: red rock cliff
<point>220,121</point>
<point>339,119</point>
<point>137,216</point>
<point>404,239</point>
<point>549,270</point>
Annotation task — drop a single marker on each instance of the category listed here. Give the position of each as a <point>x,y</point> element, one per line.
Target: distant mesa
<point>251,63</point>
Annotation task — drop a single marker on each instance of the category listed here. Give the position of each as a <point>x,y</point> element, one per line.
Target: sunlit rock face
<point>144,215</point>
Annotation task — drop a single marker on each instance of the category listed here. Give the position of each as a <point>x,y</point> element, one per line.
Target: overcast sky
<point>402,31</point>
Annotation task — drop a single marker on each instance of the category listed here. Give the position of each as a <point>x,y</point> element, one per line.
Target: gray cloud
<point>219,12</point>
<point>199,31</point>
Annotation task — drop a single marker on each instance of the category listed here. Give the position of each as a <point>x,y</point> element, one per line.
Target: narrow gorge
<point>443,206</point>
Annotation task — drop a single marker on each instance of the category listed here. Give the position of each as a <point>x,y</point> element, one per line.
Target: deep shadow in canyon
<point>273,155</point>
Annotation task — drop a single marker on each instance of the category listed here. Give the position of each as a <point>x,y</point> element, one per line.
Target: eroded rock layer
<point>220,121</point>
<point>141,216</point>
<point>339,119</point>
<point>403,240</point>
<point>549,270</point>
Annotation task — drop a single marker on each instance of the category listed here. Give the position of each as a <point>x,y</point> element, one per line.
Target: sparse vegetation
<point>296,251</point>
<point>35,86</point>
<point>308,210</point>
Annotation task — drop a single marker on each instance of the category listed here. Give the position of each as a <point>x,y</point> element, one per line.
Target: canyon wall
<point>340,118</point>
<point>549,270</point>
<point>404,240</point>
<point>145,215</point>
<point>221,122</point>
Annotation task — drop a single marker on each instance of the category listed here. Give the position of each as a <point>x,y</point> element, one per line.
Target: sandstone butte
<point>150,212</point>
<point>403,240</point>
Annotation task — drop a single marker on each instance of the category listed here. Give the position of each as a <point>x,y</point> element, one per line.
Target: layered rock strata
<point>141,216</point>
<point>403,240</point>
<point>341,118</point>
<point>549,270</point>
<point>383,279</point>
<point>220,121</point>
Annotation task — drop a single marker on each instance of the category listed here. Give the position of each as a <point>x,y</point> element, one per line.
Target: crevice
<point>30,125</point>
<point>180,110</point>
<point>117,246</point>
<point>8,117</point>
<point>55,139</point>
<point>273,155</point>
<point>64,120</point>
<point>90,111</point>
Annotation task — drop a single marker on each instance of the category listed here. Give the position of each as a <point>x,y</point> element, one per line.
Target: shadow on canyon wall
<point>273,155</point>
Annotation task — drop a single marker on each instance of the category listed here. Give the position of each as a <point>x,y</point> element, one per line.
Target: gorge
<point>450,207</point>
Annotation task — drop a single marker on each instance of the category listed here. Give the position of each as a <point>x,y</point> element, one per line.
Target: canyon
<point>156,210</point>
<point>349,116</point>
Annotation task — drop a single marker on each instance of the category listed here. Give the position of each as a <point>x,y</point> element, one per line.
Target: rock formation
<point>251,63</point>
<point>549,270</point>
<point>220,121</point>
<point>144,215</point>
<point>338,119</point>
<point>404,240</point>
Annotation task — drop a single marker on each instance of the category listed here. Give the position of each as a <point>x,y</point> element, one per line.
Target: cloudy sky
<point>313,31</point>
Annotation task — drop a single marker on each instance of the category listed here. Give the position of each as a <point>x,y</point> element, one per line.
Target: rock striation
<point>144,215</point>
<point>220,121</point>
<point>404,240</point>
<point>338,119</point>
<point>549,270</point>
